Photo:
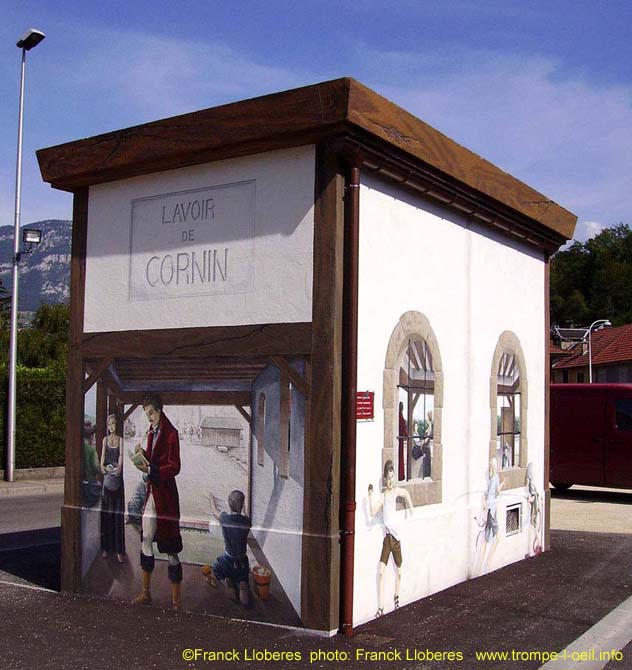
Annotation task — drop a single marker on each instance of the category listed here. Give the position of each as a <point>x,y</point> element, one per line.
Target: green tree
<point>45,343</point>
<point>41,381</point>
<point>5,308</point>
<point>593,279</point>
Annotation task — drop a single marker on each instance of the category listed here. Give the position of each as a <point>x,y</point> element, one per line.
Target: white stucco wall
<point>259,234</point>
<point>472,285</point>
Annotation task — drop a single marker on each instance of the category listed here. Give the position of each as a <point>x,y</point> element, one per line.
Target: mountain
<point>45,272</point>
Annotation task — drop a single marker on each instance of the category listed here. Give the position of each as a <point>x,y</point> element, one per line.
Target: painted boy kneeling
<point>232,568</point>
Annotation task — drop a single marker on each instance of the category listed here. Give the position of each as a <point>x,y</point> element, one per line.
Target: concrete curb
<point>33,481</point>
<point>32,487</point>
<point>31,474</point>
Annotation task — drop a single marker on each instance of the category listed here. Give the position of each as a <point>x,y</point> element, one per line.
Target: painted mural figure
<point>232,567</point>
<point>135,505</point>
<point>489,509</point>
<point>90,466</point>
<point>505,462</point>
<point>387,502</point>
<point>113,498</point>
<point>535,514</point>
<point>426,453</point>
<point>160,463</point>
<point>403,432</point>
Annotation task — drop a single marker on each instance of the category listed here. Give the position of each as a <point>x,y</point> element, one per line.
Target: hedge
<point>40,417</point>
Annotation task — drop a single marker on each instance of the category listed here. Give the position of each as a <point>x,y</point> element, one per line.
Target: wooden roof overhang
<point>211,380</point>
<point>360,124</point>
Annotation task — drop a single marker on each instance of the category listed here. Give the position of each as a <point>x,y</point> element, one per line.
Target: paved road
<point>544,603</point>
<point>593,510</point>
<point>30,539</point>
<point>18,513</point>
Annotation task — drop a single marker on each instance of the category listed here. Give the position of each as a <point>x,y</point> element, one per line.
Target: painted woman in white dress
<point>489,506</point>
<point>534,542</point>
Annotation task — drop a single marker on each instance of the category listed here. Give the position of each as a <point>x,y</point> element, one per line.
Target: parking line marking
<point>610,634</point>
<point>28,586</point>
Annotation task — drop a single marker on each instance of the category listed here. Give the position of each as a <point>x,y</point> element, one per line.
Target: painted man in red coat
<point>161,513</point>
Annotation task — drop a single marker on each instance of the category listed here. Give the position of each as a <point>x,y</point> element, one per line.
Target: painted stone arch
<point>508,343</point>
<point>413,325</point>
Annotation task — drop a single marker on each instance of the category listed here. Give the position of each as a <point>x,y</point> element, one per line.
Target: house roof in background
<point>222,423</point>
<point>554,350</point>
<point>572,334</point>
<point>609,345</point>
<point>325,111</point>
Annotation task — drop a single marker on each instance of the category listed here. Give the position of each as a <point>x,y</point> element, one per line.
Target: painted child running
<point>387,502</point>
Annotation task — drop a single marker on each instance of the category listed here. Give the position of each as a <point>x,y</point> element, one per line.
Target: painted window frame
<point>509,343</point>
<point>260,432</point>
<point>285,405</point>
<point>414,383</point>
<point>413,325</point>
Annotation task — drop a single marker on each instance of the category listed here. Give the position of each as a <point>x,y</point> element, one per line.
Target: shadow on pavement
<point>594,495</point>
<point>33,556</point>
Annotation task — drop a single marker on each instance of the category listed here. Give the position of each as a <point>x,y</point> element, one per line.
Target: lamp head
<point>31,236</point>
<point>30,39</point>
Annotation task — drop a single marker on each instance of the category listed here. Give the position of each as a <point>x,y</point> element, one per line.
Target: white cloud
<point>566,137</point>
<point>154,76</point>
<point>589,229</point>
<point>122,79</point>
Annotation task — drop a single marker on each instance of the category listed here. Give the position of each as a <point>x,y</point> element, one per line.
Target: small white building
<point>371,296</point>
<point>221,432</point>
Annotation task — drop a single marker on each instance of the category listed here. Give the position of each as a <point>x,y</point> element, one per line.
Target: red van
<point>591,435</point>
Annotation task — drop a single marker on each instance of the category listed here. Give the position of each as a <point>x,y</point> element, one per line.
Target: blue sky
<point>542,89</point>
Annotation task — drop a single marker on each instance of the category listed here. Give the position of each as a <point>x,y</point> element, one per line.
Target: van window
<point>623,408</point>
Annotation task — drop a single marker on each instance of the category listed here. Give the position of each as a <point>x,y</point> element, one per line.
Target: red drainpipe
<point>349,390</point>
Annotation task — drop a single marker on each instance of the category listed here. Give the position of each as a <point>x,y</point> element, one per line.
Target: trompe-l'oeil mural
<point>186,494</point>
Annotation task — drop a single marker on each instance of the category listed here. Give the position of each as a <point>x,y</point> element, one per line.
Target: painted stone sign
<point>197,242</point>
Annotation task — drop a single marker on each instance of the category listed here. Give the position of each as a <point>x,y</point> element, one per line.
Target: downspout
<point>349,389</point>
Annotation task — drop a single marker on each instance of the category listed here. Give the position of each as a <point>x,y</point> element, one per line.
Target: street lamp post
<point>595,325</point>
<point>30,39</point>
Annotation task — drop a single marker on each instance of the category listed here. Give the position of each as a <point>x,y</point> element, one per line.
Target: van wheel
<point>561,486</point>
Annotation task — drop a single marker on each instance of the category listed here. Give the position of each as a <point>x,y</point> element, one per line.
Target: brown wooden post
<point>285,401</point>
<point>119,409</point>
<point>71,511</point>
<point>101,415</point>
<point>321,551</point>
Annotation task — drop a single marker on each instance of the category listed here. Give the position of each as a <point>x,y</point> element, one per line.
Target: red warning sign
<point>365,405</point>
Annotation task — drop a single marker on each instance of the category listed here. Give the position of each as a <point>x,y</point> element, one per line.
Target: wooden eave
<point>211,380</point>
<point>387,138</point>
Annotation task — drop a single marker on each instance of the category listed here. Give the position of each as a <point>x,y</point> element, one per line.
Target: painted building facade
<point>258,266</point>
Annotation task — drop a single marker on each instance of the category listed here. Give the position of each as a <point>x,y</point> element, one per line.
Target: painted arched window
<point>415,424</point>
<point>508,410</point>
<point>413,406</point>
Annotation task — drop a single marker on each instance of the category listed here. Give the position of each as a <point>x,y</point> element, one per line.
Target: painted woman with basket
<point>113,498</point>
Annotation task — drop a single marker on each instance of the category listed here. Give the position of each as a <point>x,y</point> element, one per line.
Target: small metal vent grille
<point>514,519</point>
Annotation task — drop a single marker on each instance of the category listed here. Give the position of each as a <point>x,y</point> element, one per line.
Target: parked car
<point>591,435</point>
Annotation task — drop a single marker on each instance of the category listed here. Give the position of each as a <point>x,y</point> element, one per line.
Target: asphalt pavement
<point>526,611</point>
